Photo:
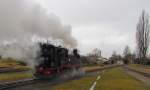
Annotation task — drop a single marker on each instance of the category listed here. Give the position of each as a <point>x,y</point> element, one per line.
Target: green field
<point>112,79</point>
<point>81,84</point>
<point>116,79</point>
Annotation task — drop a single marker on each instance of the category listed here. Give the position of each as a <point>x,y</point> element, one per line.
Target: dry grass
<point>116,79</point>
<point>10,63</point>
<point>14,76</point>
<point>13,65</point>
<point>142,68</point>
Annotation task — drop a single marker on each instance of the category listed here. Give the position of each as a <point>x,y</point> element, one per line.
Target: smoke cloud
<point>20,52</point>
<point>22,22</point>
<point>21,19</point>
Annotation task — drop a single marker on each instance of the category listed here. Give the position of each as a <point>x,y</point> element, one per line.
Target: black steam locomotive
<point>55,61</point>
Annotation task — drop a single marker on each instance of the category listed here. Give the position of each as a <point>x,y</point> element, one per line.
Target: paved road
<point>138,76</point>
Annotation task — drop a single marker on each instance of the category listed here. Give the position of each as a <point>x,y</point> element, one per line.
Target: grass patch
<point>81,84</point>
<point>116,79</point>
<point>15,76</point>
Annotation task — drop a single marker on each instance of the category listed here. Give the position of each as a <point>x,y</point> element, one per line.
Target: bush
<point>22,63</point>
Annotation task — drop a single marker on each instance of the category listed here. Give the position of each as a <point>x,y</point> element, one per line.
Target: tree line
<point>142,43</point>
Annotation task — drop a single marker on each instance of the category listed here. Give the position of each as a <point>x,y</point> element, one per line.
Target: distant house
<point>92,59</point>
<point>102,60</point>
<point>120,62</point>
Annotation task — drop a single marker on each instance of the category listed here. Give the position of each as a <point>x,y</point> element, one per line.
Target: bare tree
<point>127,56</point>
<point>115,57</point>
<point>95,52</point>
<point>126,51</point>
<point>114,54</point>
<point>142,35</point>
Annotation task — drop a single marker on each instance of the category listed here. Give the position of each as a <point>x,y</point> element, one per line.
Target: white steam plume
<point>20,20</point>
<point>23,18</point>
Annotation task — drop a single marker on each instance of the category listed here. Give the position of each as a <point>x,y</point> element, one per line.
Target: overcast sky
<point>106,24</point>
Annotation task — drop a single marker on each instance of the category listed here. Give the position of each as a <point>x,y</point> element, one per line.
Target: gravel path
<point>138,76</point>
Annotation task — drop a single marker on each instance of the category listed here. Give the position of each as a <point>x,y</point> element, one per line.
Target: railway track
<point>14,84</point>
<point>10,70</point>
<point>29,84</point>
